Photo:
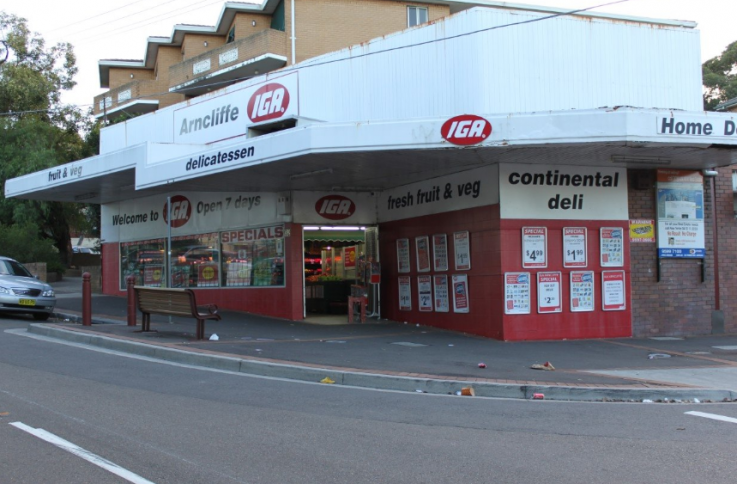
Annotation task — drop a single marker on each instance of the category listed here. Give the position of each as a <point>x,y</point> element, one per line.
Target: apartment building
<point>246,41</point>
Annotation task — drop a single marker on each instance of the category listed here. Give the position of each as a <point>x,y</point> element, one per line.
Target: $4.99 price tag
<point>534,247</point>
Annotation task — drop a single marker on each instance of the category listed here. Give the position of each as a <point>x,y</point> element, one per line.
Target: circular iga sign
<point>269,102</point>
<point>335,207</point>
<point>466,129</point>
<point>181,210</point>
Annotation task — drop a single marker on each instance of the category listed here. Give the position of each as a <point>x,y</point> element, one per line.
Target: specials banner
<point>468,189</point>
<point>214,118</point>
<point>681,214</point>
<point>559,192</point>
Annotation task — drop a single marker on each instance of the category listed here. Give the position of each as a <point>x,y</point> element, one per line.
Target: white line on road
<point>84,454</point>
<point>713,416</point>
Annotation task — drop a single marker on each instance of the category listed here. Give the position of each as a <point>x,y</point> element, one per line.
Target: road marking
<point>84,454</point>
<point>713,416</point>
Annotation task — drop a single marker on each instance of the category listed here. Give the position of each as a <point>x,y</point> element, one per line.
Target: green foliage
<point>720,78</point>
<point>37,132</point>
<point>22,243</point>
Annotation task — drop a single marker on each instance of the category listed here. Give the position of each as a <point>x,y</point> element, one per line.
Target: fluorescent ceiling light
<point>340,228</point>
<point>311,173</point>
<point>640,160</point>
<point>311,228</point>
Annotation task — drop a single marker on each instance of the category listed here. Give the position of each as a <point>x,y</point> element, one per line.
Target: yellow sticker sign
<point>642,231</point>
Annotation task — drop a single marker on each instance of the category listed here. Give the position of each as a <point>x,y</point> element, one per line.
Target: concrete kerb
<point>383,381</point>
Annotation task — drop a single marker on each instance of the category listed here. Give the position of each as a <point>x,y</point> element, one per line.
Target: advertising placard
<point>424,291</point>
<point>462,247</point>
<point>403,255</point>
<point>405,294</point>
<point>349,262</point>
<point>207,275</point>
<point>582,291</point>
<point>516,293</point>
<point>460,293</point>
<point>642,231</point>
<point>549,299</point>
<point>440,252</point>
<point>534,247</point>
<point>422,244</point>
<point>612,291</point>
<point>611,245</point>
<point>681,214</point>
<point>153,275</point>
<point>442,302</point>
<point>574,247</point>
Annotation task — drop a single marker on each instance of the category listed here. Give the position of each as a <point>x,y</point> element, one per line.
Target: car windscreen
<point>12,268</point>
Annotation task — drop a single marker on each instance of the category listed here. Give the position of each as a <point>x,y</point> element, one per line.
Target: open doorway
<point>333,262</point>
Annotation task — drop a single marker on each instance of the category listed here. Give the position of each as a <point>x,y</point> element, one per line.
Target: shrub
<point>22,243</point>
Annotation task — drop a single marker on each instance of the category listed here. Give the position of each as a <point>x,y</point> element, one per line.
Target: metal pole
<point>86,300</point>
<point>130,282</point>
<point>715,241</point>
<point>169,278</point>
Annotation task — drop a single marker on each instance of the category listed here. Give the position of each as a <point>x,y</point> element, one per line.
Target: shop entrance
<point>335,261</point>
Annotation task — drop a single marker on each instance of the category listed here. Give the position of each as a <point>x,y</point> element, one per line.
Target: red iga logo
<point>181,210</point>
<point>269,102</point>
<point>335,207</point>
<point>466,129</point>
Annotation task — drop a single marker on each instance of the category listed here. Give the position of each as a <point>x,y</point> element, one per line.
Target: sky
<point>118,29</point>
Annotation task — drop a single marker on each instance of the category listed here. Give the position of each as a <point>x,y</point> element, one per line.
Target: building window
<point>195,261</point>
<point>253,257</point>
<point>416,16</point>
<point>145,261</point>
<point>231,35</point>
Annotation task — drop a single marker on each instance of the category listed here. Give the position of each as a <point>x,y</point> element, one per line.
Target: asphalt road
<point>155,422</point>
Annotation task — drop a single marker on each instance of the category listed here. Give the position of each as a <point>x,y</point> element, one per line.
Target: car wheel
<point>41,316</point>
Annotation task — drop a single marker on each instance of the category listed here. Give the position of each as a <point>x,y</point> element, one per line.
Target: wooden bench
<point>172,302</point>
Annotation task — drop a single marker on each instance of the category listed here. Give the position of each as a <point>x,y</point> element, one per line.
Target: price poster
<point>153,275</point>
<point>349,261</point>
<point>549,292</point>
<point>422,244</point>
<point>460,293</point>
<point>611,242</point>
<point>442,302</point>
<point>405,294</point>
<point>574,247</point>
<point>207,275</point>
<point>462,246</point>
<point>516,293</point>
<point>612,291</point>
<point>534,247</point>
<point>582,291</point>
<point>424,291</point>
<point>440,252</point>
<point>403,255</point>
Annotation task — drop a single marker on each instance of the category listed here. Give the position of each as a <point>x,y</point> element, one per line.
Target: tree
<point>720,78</point>
<point>36,130</point>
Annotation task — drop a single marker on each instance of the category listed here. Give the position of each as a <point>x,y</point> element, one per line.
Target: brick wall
<point>328,25</point>
<point>680,304</point>
<point>119,76</point>
<point>194,44</point>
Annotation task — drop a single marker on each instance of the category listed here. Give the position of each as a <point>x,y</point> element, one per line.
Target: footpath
<point>413,358</point>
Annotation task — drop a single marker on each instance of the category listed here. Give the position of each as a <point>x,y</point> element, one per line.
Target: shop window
<point>195,261</point>
<point>145,261</point>
<point>416,16</point>
<point>231,35</point>
<point>253,257</point>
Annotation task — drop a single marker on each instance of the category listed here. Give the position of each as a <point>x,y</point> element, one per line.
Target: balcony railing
<point>204,65</point>
<point>127,94</point>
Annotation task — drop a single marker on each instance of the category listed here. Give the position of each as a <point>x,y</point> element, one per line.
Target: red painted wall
<point>286,302</point>
<point>566,324</point>
<point>484,281</point>
<point>496,247</point>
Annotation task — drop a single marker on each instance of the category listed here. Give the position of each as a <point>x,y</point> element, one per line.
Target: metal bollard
<point>130,281</point>
<point>86,300</point>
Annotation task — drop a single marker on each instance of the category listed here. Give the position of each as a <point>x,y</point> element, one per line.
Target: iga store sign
<point>330,207</point>
<point>229,115</point>
<point>559,192</point>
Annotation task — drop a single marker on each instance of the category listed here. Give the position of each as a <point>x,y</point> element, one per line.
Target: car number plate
<point>27,302</point>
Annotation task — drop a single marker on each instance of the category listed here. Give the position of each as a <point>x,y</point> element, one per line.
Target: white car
<point>21,292</point>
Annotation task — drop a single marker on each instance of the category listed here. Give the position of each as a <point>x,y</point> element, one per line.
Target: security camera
<point>710,172</point>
